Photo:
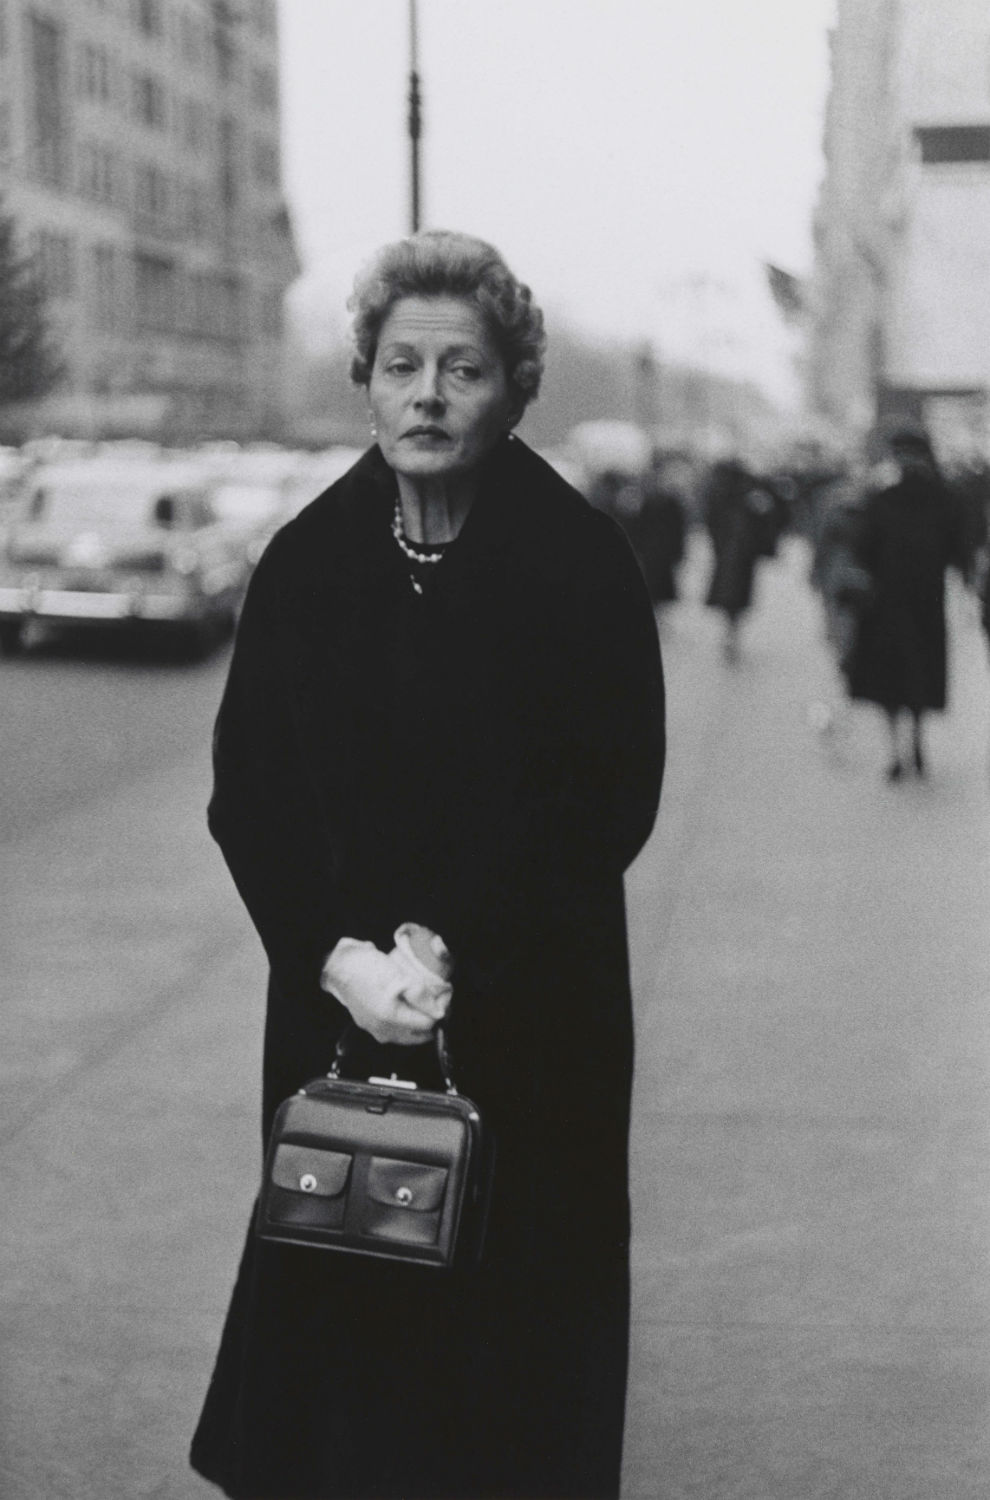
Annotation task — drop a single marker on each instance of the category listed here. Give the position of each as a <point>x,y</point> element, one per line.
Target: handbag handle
<point>442,1047</point>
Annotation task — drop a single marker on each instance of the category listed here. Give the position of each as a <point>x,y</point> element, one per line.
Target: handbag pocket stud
<point>307,1182</point>
<point>403,1196</point>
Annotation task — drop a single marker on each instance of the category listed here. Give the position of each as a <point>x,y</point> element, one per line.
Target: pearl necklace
<point>407,548</point>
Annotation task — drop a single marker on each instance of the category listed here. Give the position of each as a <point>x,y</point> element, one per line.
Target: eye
<point>399,366</point>
<point>464,370</point>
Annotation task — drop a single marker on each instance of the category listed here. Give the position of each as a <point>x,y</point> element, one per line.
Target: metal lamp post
<point>415,120</point>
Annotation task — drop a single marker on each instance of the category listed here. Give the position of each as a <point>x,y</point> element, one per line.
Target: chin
<point>428,465</point>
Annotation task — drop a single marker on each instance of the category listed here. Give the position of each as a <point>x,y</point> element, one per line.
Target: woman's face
<point>439,392</point>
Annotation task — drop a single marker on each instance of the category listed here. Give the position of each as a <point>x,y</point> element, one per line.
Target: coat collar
<point>507,506</point>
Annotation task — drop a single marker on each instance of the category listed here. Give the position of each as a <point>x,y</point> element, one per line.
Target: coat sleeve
<point>587,798</point>
<point>597,788</point>
<point>263,812</point>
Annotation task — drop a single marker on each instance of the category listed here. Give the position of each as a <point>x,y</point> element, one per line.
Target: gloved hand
<point>370,985</point>
<point>423,957</point>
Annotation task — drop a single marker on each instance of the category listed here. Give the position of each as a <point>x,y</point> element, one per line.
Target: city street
<point>811,1144</point>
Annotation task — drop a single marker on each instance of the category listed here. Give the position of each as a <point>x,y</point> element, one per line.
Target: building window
<point>149,101</point>
<point>180,300</point>
<point>106,305</point>
<point>265,161</point>
<point>95,74</point>
<point>190,39</point>
<point>264,17</point>
<point>271,314</point>
<point>50,134</point>
<point>97,172</point>
<point>154,292</point>
<point>214,305</point>
<point>195,206</point>
<point>228,306</point>
<point>151,192</point>
<point>194,123</point>
<point>953,143</point>
<point>56,262</point>
<point>229,184</point>
<point>149,17</point>
<point>264,89</point>
<point>225,48</point>
<point>198,301</point>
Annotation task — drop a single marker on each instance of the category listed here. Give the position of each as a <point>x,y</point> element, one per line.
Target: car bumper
<point>81,607</point>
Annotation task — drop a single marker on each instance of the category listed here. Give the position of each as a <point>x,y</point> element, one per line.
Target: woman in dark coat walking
<point>445,706</point>
<point>658,536</point>
<point>741,515</point>
<point>909,536</point>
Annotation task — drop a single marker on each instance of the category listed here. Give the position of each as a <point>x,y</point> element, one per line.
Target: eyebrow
<point>399,345</point>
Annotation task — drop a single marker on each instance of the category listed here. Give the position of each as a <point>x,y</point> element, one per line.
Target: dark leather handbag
<point>379,1168</point>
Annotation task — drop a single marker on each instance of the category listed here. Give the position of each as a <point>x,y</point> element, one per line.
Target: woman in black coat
<point>445,706</point>
<point>658,536</point>
<point>742,520</point>
<point>909,535</point>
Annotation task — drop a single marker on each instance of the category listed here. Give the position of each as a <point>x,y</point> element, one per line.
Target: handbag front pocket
<point>308,1186</point>
<point>404,1200</point>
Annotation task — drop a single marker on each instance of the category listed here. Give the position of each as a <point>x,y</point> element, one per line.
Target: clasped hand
<point>395,996</point>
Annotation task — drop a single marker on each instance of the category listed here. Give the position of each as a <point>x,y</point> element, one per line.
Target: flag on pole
<point>787,291</point>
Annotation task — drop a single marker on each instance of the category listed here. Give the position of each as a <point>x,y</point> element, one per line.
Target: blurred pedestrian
<point>842,583</point>
<point>837,572</point>
<point>910,535</point>
<point>444,706</point>
<point>743,520</point>
<point>806,477</point>
<point>619,494</point>
<point>968,476</point>
<point>659,536</point>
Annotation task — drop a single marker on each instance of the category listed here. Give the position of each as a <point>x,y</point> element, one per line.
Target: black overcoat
<point>909,535</point>
<point>486,759</point>
<point>657,537</point>
<point>741,519</point>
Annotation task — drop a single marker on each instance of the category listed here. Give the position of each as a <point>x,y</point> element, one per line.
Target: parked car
<point>318,472</point>
<point>253,491</point>
<point>125,543</point>
<point>250,513</point>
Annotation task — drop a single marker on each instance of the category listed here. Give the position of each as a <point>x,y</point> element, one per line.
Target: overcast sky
<point>635,160</point>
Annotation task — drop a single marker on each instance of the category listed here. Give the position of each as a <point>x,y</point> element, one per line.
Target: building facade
<point>140,161</point>
<point>901,293</point>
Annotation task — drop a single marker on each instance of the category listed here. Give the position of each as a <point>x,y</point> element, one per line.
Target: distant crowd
<point>883,526</point>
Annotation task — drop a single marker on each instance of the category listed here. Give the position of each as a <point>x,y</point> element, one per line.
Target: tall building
<point>901,293</point>
<point>140,160</point>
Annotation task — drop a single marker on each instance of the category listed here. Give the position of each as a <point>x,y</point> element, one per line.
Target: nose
<point>429,393</point>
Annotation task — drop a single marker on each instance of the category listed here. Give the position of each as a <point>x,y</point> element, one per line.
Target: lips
<point>426,431</point>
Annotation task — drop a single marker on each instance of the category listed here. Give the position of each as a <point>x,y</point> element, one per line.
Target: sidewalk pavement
<point>810,1149</point>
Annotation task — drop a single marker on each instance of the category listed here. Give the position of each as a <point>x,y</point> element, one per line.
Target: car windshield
<point>91,503</point>
<point>244,502</point>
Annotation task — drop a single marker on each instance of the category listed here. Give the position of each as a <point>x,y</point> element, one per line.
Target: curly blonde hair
<point>442,263</point>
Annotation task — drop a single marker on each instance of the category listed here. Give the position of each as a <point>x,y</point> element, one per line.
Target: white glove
<point>370,985</point>
<point>425,988</point>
